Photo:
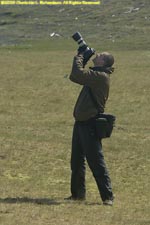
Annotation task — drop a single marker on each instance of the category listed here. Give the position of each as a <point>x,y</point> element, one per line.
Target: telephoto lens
<point>78,38</point>
<point>83,47</point>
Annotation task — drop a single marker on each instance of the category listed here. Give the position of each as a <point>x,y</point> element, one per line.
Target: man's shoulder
<point>99,74</point>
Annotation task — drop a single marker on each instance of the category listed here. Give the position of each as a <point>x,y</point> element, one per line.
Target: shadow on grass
<point>42,201</point>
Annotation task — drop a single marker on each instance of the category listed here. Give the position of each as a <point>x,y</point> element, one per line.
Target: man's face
<point>99,59</point>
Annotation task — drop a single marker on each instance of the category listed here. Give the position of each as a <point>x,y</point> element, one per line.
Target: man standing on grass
<point>85,142</point>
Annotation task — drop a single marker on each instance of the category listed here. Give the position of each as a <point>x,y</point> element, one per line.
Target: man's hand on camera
<point>87,55</point>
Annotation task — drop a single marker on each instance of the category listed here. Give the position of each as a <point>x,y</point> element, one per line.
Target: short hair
<point>108,58</point>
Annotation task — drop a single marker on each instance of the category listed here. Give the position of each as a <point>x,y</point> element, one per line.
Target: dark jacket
<point>99,85</point>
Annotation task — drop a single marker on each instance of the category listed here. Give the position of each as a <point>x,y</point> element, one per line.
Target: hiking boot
<point>108,202</point>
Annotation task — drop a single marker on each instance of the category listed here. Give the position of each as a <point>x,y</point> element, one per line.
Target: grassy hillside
<point>115,23</point>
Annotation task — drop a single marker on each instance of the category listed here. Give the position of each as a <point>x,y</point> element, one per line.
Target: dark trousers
<point>86,145</point>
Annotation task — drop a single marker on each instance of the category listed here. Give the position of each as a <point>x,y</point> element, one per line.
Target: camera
<point>83,47</point>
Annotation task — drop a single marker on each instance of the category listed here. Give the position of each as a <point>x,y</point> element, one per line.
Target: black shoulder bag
<point>104,122</point>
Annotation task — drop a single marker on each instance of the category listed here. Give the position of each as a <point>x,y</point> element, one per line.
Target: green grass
<point>36,105</point>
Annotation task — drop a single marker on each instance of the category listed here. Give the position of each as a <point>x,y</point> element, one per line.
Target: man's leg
<point>100,173</point>
<point>77,166</point>
<point>95,159</point>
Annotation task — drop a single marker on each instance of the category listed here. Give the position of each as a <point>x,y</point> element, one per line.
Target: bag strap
<point>111,118</point>
<point>94,100</point>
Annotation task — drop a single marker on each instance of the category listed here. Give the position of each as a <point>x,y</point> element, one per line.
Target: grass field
<point>36,104</point>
